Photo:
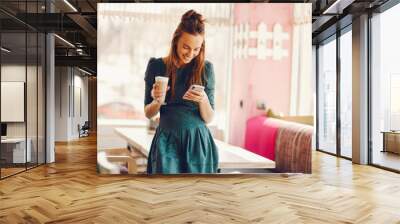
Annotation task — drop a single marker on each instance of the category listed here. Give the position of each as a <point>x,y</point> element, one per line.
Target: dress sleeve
<point>210,82</point>
<point>149,80</point>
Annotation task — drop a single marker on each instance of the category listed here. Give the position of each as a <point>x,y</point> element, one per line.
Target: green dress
<point>182,142</point>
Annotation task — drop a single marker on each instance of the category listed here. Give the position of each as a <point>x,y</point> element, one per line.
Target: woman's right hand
<point>156,92</point>
<point>153,108</point>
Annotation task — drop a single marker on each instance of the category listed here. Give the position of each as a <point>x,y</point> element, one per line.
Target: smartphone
<point>197,88</point>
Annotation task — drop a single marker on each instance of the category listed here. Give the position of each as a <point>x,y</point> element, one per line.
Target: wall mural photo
<point>204,88</point>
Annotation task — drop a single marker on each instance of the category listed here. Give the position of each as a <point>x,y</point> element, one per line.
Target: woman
<point>182,142</point>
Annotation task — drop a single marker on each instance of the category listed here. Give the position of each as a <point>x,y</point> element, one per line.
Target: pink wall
<point>254,79</point>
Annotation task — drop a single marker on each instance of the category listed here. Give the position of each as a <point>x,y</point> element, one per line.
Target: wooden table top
<point>229,156</point>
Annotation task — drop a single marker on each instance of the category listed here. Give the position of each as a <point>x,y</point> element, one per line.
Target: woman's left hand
<point>196,96</point>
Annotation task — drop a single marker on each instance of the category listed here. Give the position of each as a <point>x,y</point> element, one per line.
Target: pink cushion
<point>261,136</point>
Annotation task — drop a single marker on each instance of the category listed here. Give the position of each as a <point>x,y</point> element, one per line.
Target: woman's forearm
<point>206,111</point>
<point>152,109</point>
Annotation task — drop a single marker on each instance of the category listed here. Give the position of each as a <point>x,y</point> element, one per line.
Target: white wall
<point>62,81</point>
<point>80,109</point>
<point>33,126</point>
<point>12,73</point>
<point>71,94</point>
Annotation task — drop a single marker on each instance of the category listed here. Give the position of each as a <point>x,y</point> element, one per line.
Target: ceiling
<point>76,22</point>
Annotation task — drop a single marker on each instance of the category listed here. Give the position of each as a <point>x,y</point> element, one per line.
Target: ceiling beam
<point>84,24</point>
<point>83,61</point>
<point>320,22</point>
<point>49,22</point>
<point>337,7</point>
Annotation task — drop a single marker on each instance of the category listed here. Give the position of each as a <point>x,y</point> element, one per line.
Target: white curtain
<point>302,80</point>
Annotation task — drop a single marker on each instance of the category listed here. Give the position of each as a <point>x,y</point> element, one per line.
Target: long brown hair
<point>192,23</point>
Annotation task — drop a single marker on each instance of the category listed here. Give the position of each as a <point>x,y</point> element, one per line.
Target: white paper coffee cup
<point>162,82</point>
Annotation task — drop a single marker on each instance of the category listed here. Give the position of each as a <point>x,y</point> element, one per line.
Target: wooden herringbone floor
<point>70,191</point>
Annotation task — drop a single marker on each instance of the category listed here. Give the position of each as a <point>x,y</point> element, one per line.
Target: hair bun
<point>192,22</point>
<point>192,16</point>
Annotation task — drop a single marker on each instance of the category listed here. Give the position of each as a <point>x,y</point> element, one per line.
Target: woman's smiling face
<point>189,47</point>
